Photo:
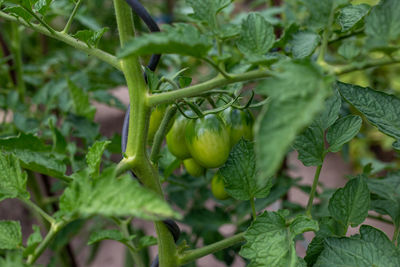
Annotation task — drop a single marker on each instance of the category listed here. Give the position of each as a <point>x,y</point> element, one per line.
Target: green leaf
<point>257,35</point>
<point>35,155</point>
<point>304,43</point>
<point>12,178</point>
<point>206,10</point>
<point>80,102</point>
<point>310,145</point>
<point>350,15</point>
<point>33,240</point>
<point>181,39</point>
<point>373,248</point>
<point>19,12</point>
<point>349,49</point>
<point>147,241</point>
<point>386,195</point>
<point>382,25</point>
<point>349,205</point>
<point>10,235</point>
<point>297,93</point>
<point>13,259</point>
<point>342,131</point>
<point>319,12</point>
<point>101,235</point>
<point>331,111</point>
<point>328,227</point>
<point>270,239</point>
<point>380,109</point>
<point>93,157</point>
<point>90,37</point>
<point>42,6</point>
<point>109,196</point>
<point>239,173</point>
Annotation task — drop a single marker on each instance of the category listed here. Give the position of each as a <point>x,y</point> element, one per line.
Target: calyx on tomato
<point>207,139</point>
<point>239,122</point>
<point>176,138</point>
<point>218,188</point>
<point>193,168</point>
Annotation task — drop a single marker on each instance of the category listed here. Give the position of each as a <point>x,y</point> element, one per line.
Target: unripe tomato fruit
<point>193,168</point>
<point>208,141</point>
<point>240,124</point>
<point>176,138</point>
<point>155,120</point>
<point>217,187</point>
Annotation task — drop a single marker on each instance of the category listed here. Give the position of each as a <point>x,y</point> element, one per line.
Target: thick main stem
<point>138,127</point>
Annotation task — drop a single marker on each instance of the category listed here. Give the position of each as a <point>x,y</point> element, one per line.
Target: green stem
<point>54,229</point>
<point>161,132</point>
<point>132,248</point>
<point>50,29</point>
<point>325,39</point>
<point>36,208</point>
<point>17,54</point>
<point>138,127</point>
<point>365,65</point>
<point>71,17</point>
<point>198,89</point>
<point>313,190</point>
<point>253,209</point>
<point>100,54</point>
<point>194,254</point>
<point>395,234</point>
<point>218,68</point>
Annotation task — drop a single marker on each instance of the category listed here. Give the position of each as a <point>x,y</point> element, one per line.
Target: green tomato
<point>155,121</point>
<point>217,187</point>
<point>208,141</point>
<point>240,124</point>
<point>176,138</point>
<point>193,168</point>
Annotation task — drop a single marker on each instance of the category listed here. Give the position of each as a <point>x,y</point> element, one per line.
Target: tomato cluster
<point>205,142</point>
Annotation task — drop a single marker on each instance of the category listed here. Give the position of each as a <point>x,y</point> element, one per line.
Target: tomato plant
<point>232,91</point>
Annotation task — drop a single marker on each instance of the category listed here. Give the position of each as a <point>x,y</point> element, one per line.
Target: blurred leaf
<point>12,178</point>
<point>106,234</point>
<point>33,240</point>
<point>10,235</point>
<point>297,93</point>
<point>382,25</point>
<point>13,259</point>
<point>182,39</point>
<point>206,10</point>
<point>304,43</point>
<point>147,241</point>
<point>94,155</point>
<point>350,15</point>
<point>80,102</point>
<point>90,37</point>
